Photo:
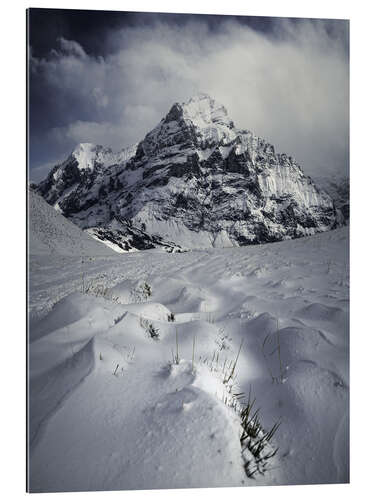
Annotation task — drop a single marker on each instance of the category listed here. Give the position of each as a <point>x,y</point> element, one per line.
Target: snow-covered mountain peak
<point>199,124</point>
<point>202,110</point>
<point>86,153</point>
<point>86,148</point>
<point>89,155</point>
<point>196,180</point>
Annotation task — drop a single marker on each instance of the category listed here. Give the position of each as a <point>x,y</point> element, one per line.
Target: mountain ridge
<point>195,180</point>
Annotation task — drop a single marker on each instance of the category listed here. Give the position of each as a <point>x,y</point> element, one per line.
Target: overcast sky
<point>109,78</point>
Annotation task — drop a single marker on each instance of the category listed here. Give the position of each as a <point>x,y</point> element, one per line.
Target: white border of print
<point>12,360</point>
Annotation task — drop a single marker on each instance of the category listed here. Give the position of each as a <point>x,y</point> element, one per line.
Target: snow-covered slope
<point>109,408</point>
<point>50,232</point>
<point>196,180</point>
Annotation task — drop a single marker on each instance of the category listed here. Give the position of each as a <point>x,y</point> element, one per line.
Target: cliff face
<point>196,180</point>
<point>337,186</point>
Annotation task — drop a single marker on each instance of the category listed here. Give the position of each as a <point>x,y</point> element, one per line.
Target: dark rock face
<point>129,238</point>
<point>194,179</point>
<point>337,187</point>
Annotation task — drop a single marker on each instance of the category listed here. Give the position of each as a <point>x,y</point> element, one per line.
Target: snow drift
<point>111,409</point>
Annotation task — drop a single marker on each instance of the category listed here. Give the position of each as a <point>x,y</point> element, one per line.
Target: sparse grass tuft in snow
<point>171,317</point>
<point>99,289</point>
<point>141,293</point>
<point>149,328</point>
<point>256,447</point>
<point>255,441</point>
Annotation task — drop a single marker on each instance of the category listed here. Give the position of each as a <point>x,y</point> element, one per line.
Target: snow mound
<point>318,311</point>
<point>161,411</point>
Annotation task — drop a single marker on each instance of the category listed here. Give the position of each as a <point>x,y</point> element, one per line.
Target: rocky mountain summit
<point>195,180</point>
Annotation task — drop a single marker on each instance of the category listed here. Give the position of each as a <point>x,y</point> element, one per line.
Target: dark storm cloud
<point>287,80</point>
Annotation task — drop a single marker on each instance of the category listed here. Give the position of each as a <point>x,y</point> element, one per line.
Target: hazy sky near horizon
<point>110,77</point>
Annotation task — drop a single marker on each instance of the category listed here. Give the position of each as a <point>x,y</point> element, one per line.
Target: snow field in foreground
<point>109,411</point>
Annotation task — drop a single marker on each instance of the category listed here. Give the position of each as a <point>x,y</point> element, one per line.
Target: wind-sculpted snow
<point>111,410</point>
<point>195,180</point>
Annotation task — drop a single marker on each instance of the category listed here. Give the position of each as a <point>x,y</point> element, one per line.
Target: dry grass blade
<point>231,374</point>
